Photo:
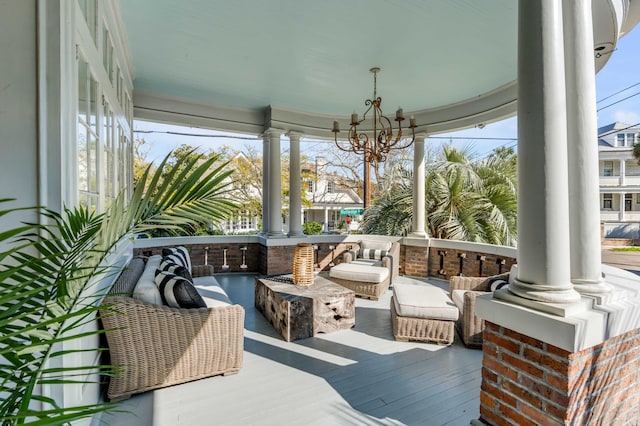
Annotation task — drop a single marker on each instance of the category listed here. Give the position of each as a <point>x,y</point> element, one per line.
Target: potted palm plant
<point>47,293</point>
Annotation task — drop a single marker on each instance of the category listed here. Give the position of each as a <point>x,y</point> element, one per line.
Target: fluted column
<point>275,184</point>
<point>543,201</point>
<point>582,134</point>
<point>265,185</point>
<point>295,197</point>
<point>623,172</point>
<point>418,221</point>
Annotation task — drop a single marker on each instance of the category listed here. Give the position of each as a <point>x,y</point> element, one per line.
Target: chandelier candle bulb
<point>336,128</point>
<point>354,118</point>
<point>399,114</point>
<point>412,121</point>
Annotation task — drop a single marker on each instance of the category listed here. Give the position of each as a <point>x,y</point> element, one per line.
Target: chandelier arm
<point>370,103</point>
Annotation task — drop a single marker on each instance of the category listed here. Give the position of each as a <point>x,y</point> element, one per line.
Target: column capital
<point>293,134</point>
<point>422,136</point>
<point>272,132</point>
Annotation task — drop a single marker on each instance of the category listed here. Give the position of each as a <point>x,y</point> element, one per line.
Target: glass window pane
<point>93,102</point>
<point>82,89</point>
<point>93,162</point>
<point>83,165</point>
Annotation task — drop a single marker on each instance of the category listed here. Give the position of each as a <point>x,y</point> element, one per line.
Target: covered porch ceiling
<point>248,65</point>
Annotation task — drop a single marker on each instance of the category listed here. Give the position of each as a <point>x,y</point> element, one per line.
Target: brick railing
<point>418,257</point>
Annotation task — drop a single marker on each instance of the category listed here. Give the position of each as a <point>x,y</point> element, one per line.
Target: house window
<point>620,139</point>
<point>310,185</point>
<point>607,201</point>
<point>607,168</point>
<point>638,198</point>
<point>628,200</point>
<point>331,187</point>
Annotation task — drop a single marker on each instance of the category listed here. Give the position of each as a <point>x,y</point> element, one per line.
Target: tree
<point>465,200</point>
<point>636,152</point>
<point>140,162</point>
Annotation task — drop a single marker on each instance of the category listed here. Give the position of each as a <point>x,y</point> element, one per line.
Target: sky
<point>617,94</point>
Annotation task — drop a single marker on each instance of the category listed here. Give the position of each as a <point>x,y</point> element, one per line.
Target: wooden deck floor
<point>357,376</point>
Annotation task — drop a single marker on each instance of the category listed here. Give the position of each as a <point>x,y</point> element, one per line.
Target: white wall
<point>18,107</point>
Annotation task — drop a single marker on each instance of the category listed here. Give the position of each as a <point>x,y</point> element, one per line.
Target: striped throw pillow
<point>177,291</point>
<point>179,255</point>
<point>168,265</point>
<point>373,254</point>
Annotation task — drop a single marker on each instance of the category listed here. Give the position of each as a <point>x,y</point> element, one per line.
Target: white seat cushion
<point>423,301</point>
<point>211,292</point>
<point>362,273</point>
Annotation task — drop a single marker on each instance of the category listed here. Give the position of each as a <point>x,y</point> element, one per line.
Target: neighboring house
<point>334,199</point>
<point>619,181</point>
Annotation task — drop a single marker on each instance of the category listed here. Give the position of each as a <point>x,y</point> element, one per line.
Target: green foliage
<point>465,200</point>
<point>312,228</point>
<point>636,152</point>
<point>46,293</point>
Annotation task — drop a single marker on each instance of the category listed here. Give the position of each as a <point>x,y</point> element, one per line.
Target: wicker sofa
<point>463,292</point>
<point>154,346</point>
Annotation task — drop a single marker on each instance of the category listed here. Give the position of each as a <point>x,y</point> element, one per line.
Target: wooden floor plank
<point>351,377</point>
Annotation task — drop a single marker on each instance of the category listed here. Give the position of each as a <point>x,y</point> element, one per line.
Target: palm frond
<point>46,279</point>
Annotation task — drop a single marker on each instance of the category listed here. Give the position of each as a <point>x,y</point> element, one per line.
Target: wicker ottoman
<point>364,280</point>
<point>423,313</point>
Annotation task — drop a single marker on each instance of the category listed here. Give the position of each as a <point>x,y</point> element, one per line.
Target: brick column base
<point>528,382</point>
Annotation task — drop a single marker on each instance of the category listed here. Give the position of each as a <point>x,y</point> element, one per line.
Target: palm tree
<point>46,288</point>
<point>465,200</point>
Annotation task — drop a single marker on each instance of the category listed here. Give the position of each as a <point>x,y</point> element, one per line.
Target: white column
<point>295,198</point>
<point>623,172</point>
<point>582,133</point>
<point>275,184</point>
<point>418,221</point>
<point>326,220</point>
<point>265,185</point>
<point>622,214</point>
<point>543,202</point>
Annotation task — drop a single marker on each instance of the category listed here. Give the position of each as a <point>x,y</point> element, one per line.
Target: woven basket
<point>303,264</point>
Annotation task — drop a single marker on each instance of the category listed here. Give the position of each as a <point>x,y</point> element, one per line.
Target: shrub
<point>312,228</point>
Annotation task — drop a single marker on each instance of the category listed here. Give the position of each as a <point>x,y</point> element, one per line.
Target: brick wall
<point>445,263</point>
<point>414,261</point>
<point>620,242</point>
<point>279,259</point>
<point>528,382</point>
<point>215,255</point>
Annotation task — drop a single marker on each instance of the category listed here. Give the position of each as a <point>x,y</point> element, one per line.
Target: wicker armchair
<point>469,325</point>
<point>390,260</point>
<point>154,346</point>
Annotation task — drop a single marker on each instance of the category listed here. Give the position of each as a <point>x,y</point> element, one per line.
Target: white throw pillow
<point>146,289</point>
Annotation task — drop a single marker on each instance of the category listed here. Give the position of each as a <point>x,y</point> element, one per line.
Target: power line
<point>617,102</point>
<point>617,93</point>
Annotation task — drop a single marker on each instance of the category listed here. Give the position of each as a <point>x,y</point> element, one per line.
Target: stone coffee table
<point>297,312</point>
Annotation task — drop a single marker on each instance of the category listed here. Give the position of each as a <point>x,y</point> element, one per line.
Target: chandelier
<point>376,143</point>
